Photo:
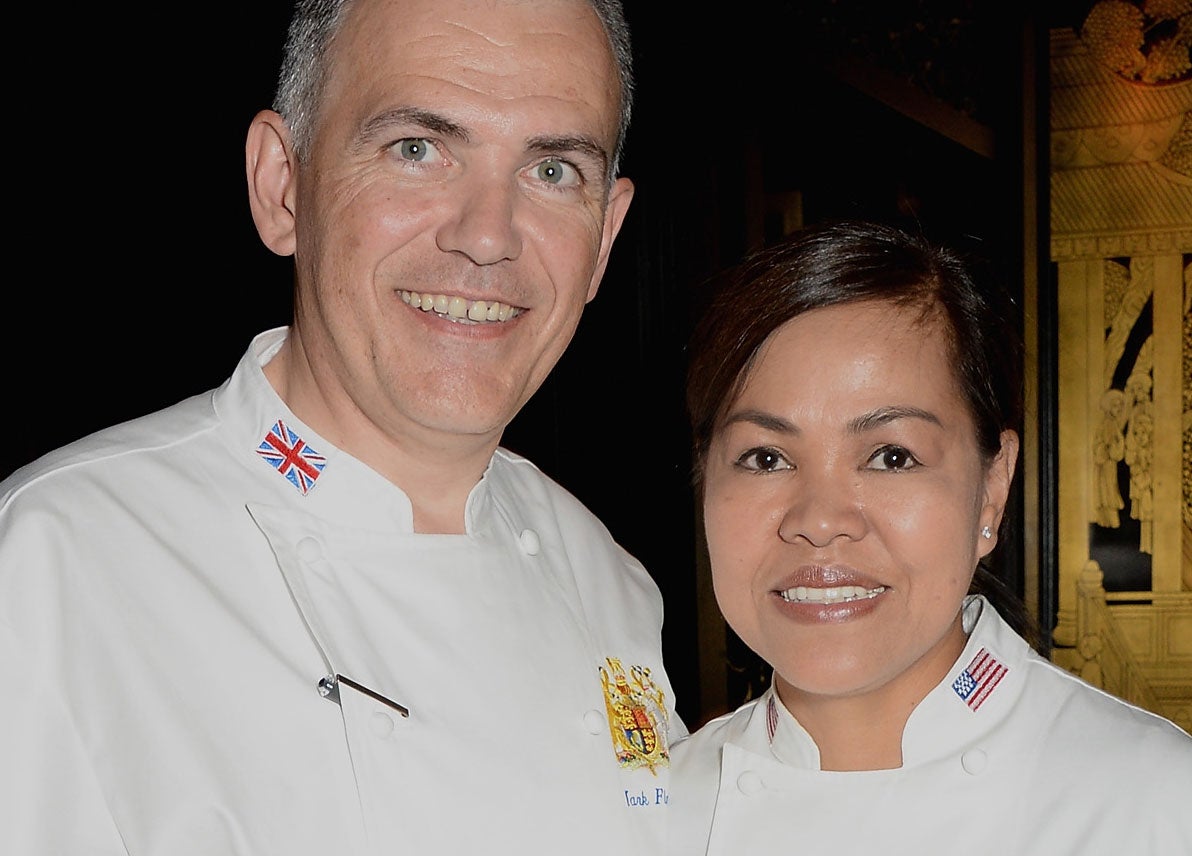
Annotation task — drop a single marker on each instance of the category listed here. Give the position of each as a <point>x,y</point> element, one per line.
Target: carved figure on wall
<point>1120,217</point>
<point>1109,448</point>
<point>1127,291</point>
<point>1187,421</point>
<point>1143,41</point>
<point>1139,455</point>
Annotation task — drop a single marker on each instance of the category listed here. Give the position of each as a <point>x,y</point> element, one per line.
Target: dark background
<point>136,277</point>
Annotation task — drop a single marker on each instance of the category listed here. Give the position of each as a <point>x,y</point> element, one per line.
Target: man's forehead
<point>550,57</point>
<point>530,27</point>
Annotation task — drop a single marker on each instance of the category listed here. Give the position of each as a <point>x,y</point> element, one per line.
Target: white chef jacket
<point>1008,755</point>
<point>178,595</point>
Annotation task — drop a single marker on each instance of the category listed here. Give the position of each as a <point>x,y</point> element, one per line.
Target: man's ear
<point>272,172</point>
<point>619,198</point>
<point>998,478</point>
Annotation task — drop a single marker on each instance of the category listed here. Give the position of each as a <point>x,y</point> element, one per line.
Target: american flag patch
<point>978,680</point>
<point>288,453</point>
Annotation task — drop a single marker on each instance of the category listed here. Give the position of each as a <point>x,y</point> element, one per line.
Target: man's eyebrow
<point>437,123</point>
<point>413,116</point>
<point>569,143</point>
<point>885,415</point>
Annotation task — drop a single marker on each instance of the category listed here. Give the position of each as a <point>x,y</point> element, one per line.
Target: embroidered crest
<point>637,716</point>
<point>288,453</point>
<point>771,718</point>
<point>979,679</point>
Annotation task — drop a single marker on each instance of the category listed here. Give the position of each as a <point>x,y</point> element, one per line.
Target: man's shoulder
<point>517,476</point>
<point>109,447</point>
<point>531,495</point>
<point>520,483</point>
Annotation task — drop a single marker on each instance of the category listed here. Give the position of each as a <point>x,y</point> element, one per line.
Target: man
<point>319,610</point>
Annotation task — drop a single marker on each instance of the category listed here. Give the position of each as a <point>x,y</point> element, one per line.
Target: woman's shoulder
<point>1080,715</point>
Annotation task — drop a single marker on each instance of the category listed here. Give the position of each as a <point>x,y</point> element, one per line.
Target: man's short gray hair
<point>313,27</point>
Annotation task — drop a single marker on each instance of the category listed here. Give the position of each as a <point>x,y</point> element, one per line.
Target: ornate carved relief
<point>1121,240</point>
<point>1187,424</point>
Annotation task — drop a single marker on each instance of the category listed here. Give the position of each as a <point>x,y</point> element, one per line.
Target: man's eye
<point>415,149</point>
<point>557,172</point>
<point>763,460</point>
<point>892,458</point>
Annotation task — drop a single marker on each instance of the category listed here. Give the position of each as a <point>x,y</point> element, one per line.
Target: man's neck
<point>437,472</point>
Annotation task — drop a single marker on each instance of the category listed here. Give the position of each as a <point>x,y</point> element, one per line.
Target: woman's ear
<point>999,475</point>
<point>272,171</point>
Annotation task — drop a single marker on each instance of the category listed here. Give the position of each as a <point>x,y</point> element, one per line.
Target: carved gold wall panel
<point>1121,247</point>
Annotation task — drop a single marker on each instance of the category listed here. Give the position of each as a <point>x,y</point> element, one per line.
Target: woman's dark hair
<point>850,261</point>
<point>847,262</point>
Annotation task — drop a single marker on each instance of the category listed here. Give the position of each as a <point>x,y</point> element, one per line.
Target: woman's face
<point>844,500</point>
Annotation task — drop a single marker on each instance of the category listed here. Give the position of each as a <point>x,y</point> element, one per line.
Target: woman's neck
<point>863,730</point>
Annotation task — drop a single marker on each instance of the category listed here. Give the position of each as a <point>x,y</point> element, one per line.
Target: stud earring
<point>986,532</point>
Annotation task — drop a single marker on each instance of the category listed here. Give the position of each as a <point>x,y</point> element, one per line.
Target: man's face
<point>458,168</point>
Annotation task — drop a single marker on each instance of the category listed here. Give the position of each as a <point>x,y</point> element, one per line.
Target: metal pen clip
<point>329,688</point>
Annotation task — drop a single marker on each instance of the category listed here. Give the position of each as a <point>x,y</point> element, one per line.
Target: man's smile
<point>459,309</point>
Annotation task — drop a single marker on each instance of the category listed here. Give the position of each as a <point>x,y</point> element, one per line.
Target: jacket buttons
<point>750,782</point>
<point>309,549</point>
<point>529,542</point>
<point>594,721</point>
<point>381,724</point>
<point>974,761</point>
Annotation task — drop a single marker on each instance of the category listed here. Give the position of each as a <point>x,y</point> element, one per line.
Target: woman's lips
<point>828,584</point>
<point>830,594</point>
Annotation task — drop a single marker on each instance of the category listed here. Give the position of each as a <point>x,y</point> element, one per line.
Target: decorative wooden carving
<point>1121,246</point>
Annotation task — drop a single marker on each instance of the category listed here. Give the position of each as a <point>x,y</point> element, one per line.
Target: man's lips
<point>460,309</point>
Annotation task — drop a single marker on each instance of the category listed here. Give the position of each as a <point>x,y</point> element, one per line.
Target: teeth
<point>836,594</point>
<point>458,309</point>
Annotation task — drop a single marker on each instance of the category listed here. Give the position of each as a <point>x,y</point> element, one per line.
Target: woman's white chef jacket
<point>178,595</point>
<point>1009,755</point>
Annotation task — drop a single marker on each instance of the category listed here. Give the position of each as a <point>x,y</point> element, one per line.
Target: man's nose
<point>482,223</point>
<point>821,508</point>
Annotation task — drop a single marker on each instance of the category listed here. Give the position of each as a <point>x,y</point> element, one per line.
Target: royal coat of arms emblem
<point>637,716</point>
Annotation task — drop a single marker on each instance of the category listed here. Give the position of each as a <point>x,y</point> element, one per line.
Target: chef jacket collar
<point>346,490</point>
<point>944,723</point>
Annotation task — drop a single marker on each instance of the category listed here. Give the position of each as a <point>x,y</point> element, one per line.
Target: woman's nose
<point>822,508</point>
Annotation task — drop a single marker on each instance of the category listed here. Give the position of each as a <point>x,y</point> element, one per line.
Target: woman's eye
<point>416,150</point>
<point>557,172</point>
<point>892,458</point>
<point>763,460</point>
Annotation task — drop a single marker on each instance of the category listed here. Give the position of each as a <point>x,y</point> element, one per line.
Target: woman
<point>855,403</point>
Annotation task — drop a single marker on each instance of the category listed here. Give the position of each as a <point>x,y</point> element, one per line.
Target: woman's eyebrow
<point>768,421</point>
<point>885,415</point>
<point>860,424</point>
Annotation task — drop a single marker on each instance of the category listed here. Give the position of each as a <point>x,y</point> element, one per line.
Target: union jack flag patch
<point>979,679</point>
<point>288,453</point>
